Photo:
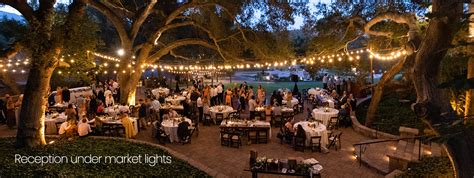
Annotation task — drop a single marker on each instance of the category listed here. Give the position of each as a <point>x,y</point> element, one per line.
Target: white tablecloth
<point>112,111</point>
<point>249,124</point>
<point>134,121</point>
<point>294,101</point>
<point>283,109</point>
<point>225,111</point>
<point>162,91</point>
<point>171,128</point>
<point>321,114</point>
<point>50,123</point>
<point>320,130</point>
<point>175,100</point>
<point>329,100</point>
<point>315,91</point>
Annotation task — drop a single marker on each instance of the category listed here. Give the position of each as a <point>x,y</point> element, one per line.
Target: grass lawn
<point>390,115</point>
<point>270,86</point>
<point>85,147</point>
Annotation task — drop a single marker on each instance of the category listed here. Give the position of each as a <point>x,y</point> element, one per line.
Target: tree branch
<point>178,43</point>
<point>408,19</point>
<point>23,7</point>
<point>11,51</point>
<point>141,18</point>
<point>114,19</point>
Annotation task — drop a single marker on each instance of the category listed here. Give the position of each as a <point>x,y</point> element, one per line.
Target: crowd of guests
<point>10,110</point>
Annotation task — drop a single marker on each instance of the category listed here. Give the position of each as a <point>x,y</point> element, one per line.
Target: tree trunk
<point>10,83</point>
<point>31,123</point>
<point>128,86</point>
<point>378,91</point>
<point>469,107</point>
<point>431,101</point>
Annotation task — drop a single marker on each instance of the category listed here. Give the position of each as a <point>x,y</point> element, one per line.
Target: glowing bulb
<point>105,64</point>
<point>120,52</point>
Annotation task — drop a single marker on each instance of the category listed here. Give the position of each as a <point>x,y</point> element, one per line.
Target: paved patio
<point>206,148</point>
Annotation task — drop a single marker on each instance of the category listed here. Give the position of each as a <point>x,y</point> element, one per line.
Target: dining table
<point>324,114</point>
<point>115,121</point>
<point>50,122</point>
<point>294,101</point>
<point>160,91</point>
<point>177,99</point>
<point>224,109</point>
<point>170,126</point>
<point>313,129</point>
<point>247,125</point>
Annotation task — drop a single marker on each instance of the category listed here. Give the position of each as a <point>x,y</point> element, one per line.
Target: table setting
<point>175,99</point>
<point>225,110</point>
<point>324,114</point>
<point>314,129</point>
<point>170,126</point>
<point>160,91</point>
<point>51,120</point>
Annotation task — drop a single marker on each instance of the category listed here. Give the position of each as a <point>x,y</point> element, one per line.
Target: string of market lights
<point>20,66</point>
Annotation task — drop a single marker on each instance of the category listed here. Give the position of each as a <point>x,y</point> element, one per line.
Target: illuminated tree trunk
<point>31,127</point>
<point>469,107</point>
<point>431,101</point>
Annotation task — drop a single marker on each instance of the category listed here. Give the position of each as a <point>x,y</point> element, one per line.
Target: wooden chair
<point>262,136</point>
<point>315,143</point>
<point>335,140</point>
<point>277,120</point>
<point>299,143</point>
<point>207,119</point>
<point>219,118</point>
<point>235,140</point>
<point>225,138</point>
<point>252,136</point>
<point>334,123</point>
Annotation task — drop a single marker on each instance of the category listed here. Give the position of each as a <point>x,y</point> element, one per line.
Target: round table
<point>322,115</point>
<point>294,101</point>
<point>329,100</point>
<point>225,111</point>
<point>314,91</point>
<point>112,111</point>
<point>50,123</point>
<point>162,91</point>
<point>318,130</point>
<point>170,127</point>
<point>176,100</point>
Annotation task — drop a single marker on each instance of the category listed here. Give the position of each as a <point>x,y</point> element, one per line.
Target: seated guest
<point>70,111</point>
<point>343,97</point>
<point>334,95</point>
<point>276,109</point>
<point>344,111</point>
<point>128,125</point>
<point>352,102</point>
<point>109,100</point>
<point>83,129</point>
<point>68,129</point>
<point>100,108</point>
<point>172,113</point>
<point>268,113</point>
<point>142,113</point>
<point>124,108</point>
<point>300,132</point>
<point>183,130</point>
<point>289,125</point>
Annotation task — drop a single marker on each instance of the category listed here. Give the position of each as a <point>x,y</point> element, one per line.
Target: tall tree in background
<point>151,30</point>
<point>422,65</point>
<point>46,40</point>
